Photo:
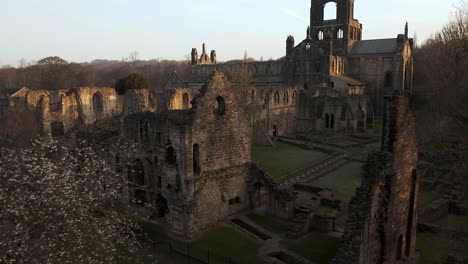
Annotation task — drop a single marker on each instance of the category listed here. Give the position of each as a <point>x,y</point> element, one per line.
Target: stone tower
<point>345,29</point>
<point>382,221</point>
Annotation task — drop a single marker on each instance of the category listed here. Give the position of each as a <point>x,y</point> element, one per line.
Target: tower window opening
<point>330,11</point>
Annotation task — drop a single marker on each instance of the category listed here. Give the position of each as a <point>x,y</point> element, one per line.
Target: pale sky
<point>84,30</point>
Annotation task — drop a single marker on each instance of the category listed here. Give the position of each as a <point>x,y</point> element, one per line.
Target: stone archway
<point>98,105</point>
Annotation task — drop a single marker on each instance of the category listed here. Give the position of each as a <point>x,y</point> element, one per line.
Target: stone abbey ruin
<point>186,153</point>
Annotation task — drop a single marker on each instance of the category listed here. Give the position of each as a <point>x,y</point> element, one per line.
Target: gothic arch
<point>98,105</point>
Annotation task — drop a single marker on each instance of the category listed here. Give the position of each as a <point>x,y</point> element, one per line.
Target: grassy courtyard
<point>454,222</point>
<point>426,198</point>
<point>316,247</point>
<point>225,242</point>
<point>283,158</point>
<point>434,248</point>
<point>222,242</point>
<point>269,223</point>
<point>343,181</point>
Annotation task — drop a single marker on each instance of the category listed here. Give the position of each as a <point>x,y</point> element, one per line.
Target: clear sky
<point>84,30</point>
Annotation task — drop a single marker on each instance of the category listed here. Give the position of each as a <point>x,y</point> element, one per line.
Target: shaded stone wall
<point>200,160</point>
<point>381,226</point>
<point>59,111</point>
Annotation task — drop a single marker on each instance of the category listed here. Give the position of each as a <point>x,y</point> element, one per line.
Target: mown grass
<point>435,248</point>
<point>316,247</point>
<point>454,222</point>
<point>343,181</point>
<point>426,198</point>
<point>282,158</point>
<point>269,223</point>
<point>225,242</point>
<point>221,242</point>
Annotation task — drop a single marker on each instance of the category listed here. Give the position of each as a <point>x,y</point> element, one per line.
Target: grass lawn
<point>269,223</point>
<point>283,158</point>
<point>341,220</point>
<point>153,231</point>
<point>435,249</point>
<point>317,247</point>
<point>225,242</point>
<point>303,197</point>
<point>343,181</point>
<point>454,222</point>
<point>324,210</point>
<point>426,198</point>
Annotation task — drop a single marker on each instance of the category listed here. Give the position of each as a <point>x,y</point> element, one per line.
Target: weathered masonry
<point>382,221</point>
<point>194,165</point>
<point>332,81</point>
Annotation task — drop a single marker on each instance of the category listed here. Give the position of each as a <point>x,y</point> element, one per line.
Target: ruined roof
<point>175,82</point>
<point>374,47</point>
<point>17,92</point>
<point>349,80</point>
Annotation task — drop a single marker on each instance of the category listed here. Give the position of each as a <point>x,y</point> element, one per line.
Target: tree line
<point>53,73</point>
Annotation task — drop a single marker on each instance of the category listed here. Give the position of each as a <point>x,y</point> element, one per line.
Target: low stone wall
<point>436,211</point>
<point>443,232</point>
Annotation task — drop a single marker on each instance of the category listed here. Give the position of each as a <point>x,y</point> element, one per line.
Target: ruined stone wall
<point>181,98</point>
<point>254,68</point>
<point>209,175</point>
<point>108,107</point>
<point>332,114</point>
<point>381,226</point>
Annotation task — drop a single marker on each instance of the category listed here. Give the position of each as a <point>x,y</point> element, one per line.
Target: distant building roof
<point>374,47</point>
<point>351,81</point>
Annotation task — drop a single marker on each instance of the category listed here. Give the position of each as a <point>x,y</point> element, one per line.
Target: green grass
<point>435,249</point>
<point>324,210</point>
<point>341,220</point>
<point>454,222</point>
<point>378,127</point>
<point>426,198</point>
<point>343,181</point>
<point>303,197</point>
<point>225,242</point>
<point>269,223</point>
<point>284,158</point>
<point>153,231</point>
<point>316,247</point>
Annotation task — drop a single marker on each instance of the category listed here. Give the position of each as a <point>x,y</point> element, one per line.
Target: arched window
<point>400,248</point>
<point>98,106</point>
<point>185,100</point>
<point>220,106</point>
<point>196,159</point>
<point>320,35</point>
<point>285,97</point>
<point>332,121</point>
<point>330,11</point>
<point>252,96</point>
<point>294,96</point>
<point>327,121</point>
<point>339,34</point>
<point>277,98</point>
<point>171,157</point>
